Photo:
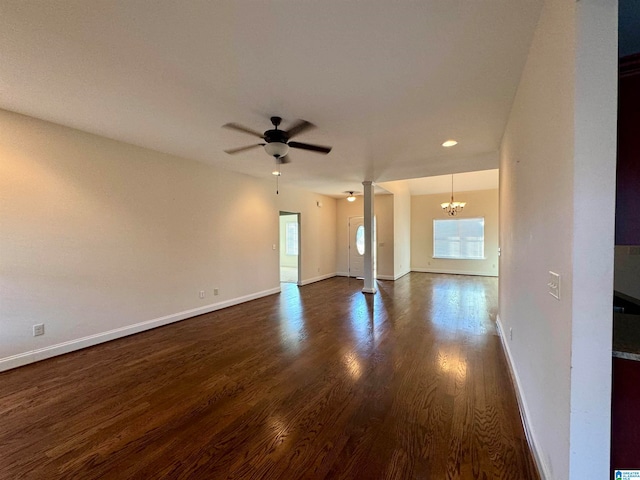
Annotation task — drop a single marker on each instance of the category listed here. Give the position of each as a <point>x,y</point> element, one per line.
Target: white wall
<point>426,208</point>
<point>594,181</point>
<point>557,173</point>
<point>99,239</point>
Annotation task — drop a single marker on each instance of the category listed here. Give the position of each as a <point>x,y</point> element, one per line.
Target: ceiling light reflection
<point>452,363</point>
<point>353,365</point>
<point>279,429</point>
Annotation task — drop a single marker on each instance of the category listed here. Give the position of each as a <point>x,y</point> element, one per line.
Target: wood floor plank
<point>317,382</point>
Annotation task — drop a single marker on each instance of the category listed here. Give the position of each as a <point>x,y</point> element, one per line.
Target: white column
<point>369,240</point>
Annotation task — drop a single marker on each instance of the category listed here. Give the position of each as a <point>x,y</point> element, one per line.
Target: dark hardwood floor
<point>320,381</point>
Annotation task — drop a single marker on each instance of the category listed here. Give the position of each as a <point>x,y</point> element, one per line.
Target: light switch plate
<point>554,284</point>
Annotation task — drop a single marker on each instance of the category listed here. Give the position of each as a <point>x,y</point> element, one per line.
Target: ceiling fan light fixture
<point>351,197</point>
<point>277,149</point>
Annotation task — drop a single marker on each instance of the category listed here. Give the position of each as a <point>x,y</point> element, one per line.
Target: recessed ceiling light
<point>449,143</point>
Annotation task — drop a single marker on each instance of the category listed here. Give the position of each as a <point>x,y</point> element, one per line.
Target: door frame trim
<point>283,213</point>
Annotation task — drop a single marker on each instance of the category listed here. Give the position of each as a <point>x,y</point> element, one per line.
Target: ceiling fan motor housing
<point>276,136</point>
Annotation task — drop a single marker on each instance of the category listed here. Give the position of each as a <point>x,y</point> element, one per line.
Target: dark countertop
<point>626,336</point>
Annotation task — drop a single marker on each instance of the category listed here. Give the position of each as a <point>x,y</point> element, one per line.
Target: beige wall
<point>426,208</point>
<point>385,238</point>
<point>401,226</point>
<point>101,239</point>
<point>317,230</point>
<point>557,191</point>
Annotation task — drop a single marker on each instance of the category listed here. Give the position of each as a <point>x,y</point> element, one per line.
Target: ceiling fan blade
<point>240,128</point>
<point>283,160</point>
<point>299,127</point>
<point>307,146</point>
<point>232,151</point>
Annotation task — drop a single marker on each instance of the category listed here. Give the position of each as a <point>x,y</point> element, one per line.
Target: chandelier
<point>452,208</point>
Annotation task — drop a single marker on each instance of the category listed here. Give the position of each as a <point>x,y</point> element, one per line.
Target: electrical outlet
<point>215,291</point>
<point>38,329</point>
<point>510,333</point>
<point>201,294</point>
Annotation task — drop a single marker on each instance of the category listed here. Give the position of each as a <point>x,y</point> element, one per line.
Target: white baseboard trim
<point>378,277</point>
<point>385,277</point>
<point>543,468</point>
<point>317,279</point>
<point>452,272</point>
<point>33,356</point>
<point>391,277</point>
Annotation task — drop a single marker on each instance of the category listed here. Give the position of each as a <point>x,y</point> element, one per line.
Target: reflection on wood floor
<point>320,381</point>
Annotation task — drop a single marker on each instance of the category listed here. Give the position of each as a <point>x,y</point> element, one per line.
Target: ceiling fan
<point>277,141</point>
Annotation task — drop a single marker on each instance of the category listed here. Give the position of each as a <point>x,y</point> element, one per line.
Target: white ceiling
<point>462,182</point>
<point>385,82</point>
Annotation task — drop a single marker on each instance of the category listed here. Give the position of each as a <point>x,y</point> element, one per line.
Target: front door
<point>356,247</point>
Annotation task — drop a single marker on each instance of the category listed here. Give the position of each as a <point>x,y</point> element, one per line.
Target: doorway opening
<point>290,247</point>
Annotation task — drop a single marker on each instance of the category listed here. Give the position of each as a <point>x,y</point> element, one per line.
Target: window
<point>461,238</point>
<point>291,238</point>
<point>360,239</point>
